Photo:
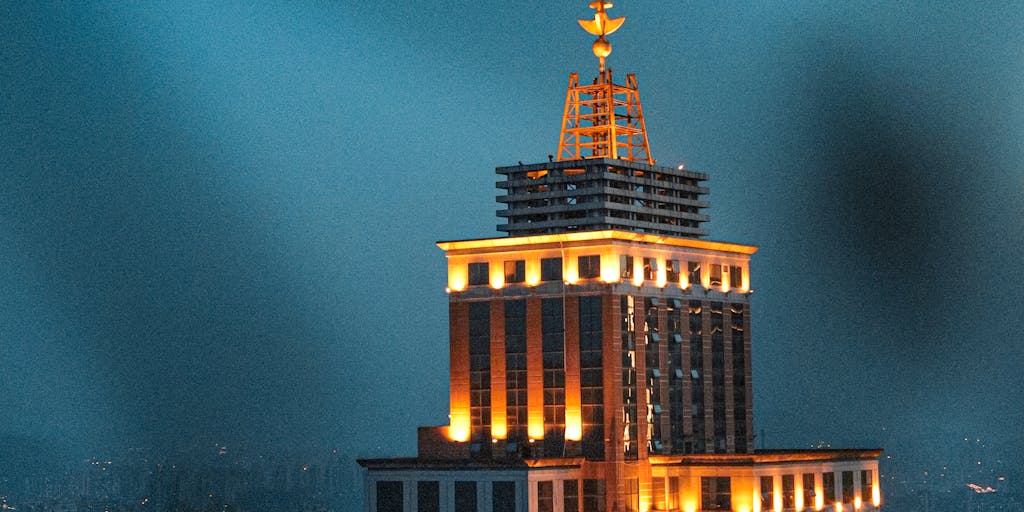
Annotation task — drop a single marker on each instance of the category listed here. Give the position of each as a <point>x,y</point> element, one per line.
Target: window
<point>428,496</point>
<point>626,267</point>
<point>545,496</point>
<point>847,486</point>
<point>672,271</point>
<point>589,267</point>
<point>716,493</point>
<point>465,497</point>
<point>593,495</point>
<point>478,274</point>
<point>788,492</point>
<point>828,485</point>
<point>389,496</point>
<point>650,269</point>
<point>551,269</point>
<point>693,267</point>
<point>735,277</point>
<point>673,493</point>
<point>767,493</point>
<point>716,275</point>
<point>632,495</point>
<point>571,495</point>
<point>658,489</point>
<point>515,271</point>
<point>865,485</point>
<point>808,490</point>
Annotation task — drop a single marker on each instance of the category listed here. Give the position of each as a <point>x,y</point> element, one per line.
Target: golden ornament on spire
<point>601,26</point>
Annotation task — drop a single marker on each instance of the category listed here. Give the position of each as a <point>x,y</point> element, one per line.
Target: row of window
<point>589,267</point>
<point>390,496</point>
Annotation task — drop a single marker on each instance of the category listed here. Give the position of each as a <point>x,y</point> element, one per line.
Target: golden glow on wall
<point>609,267</point>
<point>839,506</point>
<point>571,269</point>
<point>689,503</point>
<point>535,430</point>
<point>745,280</point>
<point>876,495</point>
<point>532,272</point>
<point>459,428</point>
<point>496,273</point>
<point>705,275</point>
<point>662,276</point>
<point>458,276</point>
<point>573,426</point>
<point>756,500</point>
<point>819,495</point>
<point>638,271</point>
<point>798,494</point>
<point>586,236</point>
<point>857,503</point>
<point>499,430</point>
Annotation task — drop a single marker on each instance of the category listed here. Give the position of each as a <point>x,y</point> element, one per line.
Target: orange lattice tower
<point>603,119</point>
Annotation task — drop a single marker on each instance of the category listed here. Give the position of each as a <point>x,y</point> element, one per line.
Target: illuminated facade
<point>600,353</point>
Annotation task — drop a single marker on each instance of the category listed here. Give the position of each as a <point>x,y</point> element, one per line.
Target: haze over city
<point>219,220</point>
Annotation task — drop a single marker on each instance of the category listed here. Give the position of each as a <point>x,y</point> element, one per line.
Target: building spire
<point>603,119</point>
<point>601,26</point>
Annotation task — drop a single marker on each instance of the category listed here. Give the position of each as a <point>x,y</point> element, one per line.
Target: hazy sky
<point>217,221</point>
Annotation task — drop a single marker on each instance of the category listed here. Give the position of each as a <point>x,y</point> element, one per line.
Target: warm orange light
<point>532,272</point>
<point>745,280</point>
<point>497,274</point>
<point>756,501</point>
<point>573,424</point>
<point>819,496</point>
<point>839,506</point>
<point>705,276</point>
<point>499,430</point>
<point>459,429</point>
<point>876,495</point>
<point>777,498</point>
<point>798,495</point>
<point>610,267</point>
<point>689,504</point>
<point>661,279</point>
<point>585,236</point>
<point>571,269</point>
<point>458,277</point>
<point>535,429</point>
<point>857,503</point>
<point>638,271</point>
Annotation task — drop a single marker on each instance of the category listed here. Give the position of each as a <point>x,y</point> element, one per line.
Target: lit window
<point>626,267</point>
<point>672,271</point>
<point>515,271</point>
<point>478,274</point>
<point>716,275</point>
<point>650,269</point>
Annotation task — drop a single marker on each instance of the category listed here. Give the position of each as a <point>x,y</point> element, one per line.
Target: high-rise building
<point>600,353</point>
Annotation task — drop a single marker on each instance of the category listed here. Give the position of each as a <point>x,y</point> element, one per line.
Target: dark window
<point>589,267</point>
<point>389,496</point>
<point>545,496</point>
<point>808,490</point>
<point>503,497</point>
<point>788,492</point>
<point>865,485</point>
<point>551,269</point>
<point>515,271</point>
<point>735,277</point>
<point>553,358</point>
<point>465,496</point>
<point>716,493</point>
<point>828,487</point>
<point>571,495</point>
<point>428,496</point>
<point>478,274</point>
<point>515,369</point>
<point>591,377</point>
<point>480,369</point>
<point>847,486</point>
<point>593,495</point>
<point>767,493</point>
